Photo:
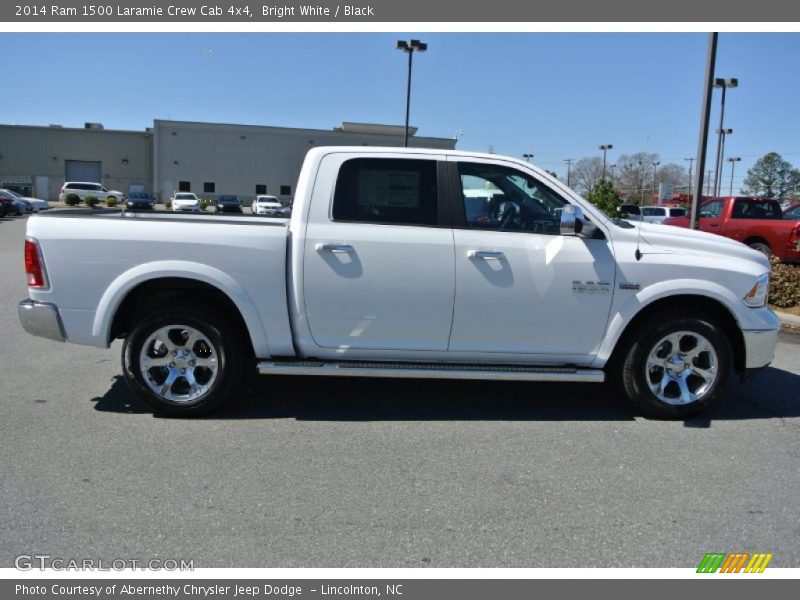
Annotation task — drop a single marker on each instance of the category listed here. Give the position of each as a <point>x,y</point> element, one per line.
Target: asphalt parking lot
<point>384,473</point>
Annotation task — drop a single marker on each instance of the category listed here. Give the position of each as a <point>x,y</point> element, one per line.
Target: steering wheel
<point>509,210</point>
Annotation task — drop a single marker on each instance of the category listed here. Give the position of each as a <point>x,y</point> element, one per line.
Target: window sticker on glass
<point>377,187</point>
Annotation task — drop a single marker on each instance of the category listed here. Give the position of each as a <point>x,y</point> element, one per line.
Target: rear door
<point>378,271</point>
<point>521,287</point>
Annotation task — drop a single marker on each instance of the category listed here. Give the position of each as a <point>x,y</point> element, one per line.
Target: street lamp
<point>723,133</point>
<point>569,164</point>
<point>724,84</point>
<point>409,47</point>
<point>527,156</point>
<point>605,148</point>
<point>655,167</point>
<point>733,160</point>
<point>641,181</point>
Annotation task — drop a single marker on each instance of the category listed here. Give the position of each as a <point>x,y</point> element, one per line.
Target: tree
<point>772,177</point>
<point>634,176</point>
<point>605,197</point>
<point>586,173</point>
<point>675,174</point>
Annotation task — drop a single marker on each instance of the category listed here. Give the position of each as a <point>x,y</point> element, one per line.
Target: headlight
<point>757,296</point>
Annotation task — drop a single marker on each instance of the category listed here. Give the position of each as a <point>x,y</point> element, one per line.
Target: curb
<point>789,323</point>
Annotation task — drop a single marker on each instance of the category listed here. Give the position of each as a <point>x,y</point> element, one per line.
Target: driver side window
<point>712,209</point>
<point>503,199</point>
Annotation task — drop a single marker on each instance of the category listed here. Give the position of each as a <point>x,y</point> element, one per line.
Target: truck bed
<point>94,259</point>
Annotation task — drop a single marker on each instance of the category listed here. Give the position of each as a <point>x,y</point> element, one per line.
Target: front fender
<point>634,305</point>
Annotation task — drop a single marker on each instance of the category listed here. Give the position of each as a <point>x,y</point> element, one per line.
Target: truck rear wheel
<point>183,362</point>
<point>676,365</point>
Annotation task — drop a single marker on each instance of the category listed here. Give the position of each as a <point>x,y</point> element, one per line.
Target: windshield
<point>185,197</point>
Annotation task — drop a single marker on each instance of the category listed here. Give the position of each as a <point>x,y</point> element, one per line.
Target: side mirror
<point>571,219</point>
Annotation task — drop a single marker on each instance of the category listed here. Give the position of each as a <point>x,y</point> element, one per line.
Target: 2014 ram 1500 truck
<point>404,263</point>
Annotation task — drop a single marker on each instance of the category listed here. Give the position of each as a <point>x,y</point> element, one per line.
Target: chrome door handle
<point>486,254</point>
<point>335,248</point>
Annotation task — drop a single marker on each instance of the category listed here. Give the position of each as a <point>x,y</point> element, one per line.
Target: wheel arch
<point>757,239</point>
<point>697,304</point>
<point>150,285</point>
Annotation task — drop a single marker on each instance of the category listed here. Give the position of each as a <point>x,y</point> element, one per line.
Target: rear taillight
<point>34,267</point>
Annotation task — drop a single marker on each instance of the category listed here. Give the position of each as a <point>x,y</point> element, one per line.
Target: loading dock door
<point>83,170</point>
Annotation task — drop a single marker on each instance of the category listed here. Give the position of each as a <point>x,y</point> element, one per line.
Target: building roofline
<point>336,130</point>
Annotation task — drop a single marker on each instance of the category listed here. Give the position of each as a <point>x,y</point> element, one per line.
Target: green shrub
<point>784,285</point>
<point>91,201</point>
<point>203,204</point>
<point>167,204</point>
<point>111,202</point>
<point>72,199</point>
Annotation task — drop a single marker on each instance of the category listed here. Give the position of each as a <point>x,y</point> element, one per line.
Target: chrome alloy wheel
<point>179,363</point>
<point>681,368</point>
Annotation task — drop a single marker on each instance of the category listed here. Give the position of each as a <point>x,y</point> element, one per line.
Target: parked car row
<point>17,204</point>
<point>756,222</point>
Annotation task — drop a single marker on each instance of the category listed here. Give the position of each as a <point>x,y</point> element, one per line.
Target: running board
<point>429,371</point>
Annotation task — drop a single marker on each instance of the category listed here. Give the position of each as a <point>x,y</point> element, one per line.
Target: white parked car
<point>37,204</point>
<point>657,214</point>
<point>83,189</point>
<point>383,272</point>
<point>269,206</point>
<point>185,202</point>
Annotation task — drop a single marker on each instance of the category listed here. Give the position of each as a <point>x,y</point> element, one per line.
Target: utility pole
<point>569,165</point>
<point>691,160</point>
<point>708,183</point>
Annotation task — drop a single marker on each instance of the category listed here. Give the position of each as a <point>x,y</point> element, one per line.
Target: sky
<point>553,95</point>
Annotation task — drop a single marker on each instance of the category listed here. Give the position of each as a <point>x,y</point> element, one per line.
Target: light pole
<point>527,156</point>
<point>691,162</point>
<point>612,167</point>
<point>409,47</point>
<point>569,164</point>
<point>655,167</point>
<point>641,181</point>
<point>733,160</point>
<point>718,179</point>
<point>605,148</point>
<point>724,84</point>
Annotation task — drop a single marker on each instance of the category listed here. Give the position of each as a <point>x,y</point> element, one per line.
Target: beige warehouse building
<point>206,158</point>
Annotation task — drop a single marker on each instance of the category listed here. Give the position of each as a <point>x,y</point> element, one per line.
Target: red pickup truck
<point>757,222</point>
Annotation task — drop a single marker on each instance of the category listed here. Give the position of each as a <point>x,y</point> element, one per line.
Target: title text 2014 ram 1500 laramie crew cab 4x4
<point>405,263</point>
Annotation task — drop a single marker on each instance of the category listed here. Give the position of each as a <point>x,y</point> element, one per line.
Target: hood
<point>679,240</point>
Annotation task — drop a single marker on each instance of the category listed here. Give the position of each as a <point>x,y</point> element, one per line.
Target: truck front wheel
<point>183,362</point>
<point>676,365</point>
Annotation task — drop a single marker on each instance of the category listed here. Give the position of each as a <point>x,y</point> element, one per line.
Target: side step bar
<point>429,371</point>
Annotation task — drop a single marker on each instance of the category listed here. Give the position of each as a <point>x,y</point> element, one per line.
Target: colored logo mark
<point>735,562</point>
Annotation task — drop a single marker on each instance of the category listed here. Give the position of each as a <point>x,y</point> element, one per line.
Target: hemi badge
<point>591,287</point>
<point>627,285</point>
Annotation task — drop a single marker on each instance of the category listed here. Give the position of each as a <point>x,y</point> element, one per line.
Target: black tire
<point>219,343</point>
<point>649,341</point>
<point>761,247</point>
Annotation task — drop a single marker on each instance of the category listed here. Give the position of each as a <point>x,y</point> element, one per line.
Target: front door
<point>521,287</point>
<point>379,266</point>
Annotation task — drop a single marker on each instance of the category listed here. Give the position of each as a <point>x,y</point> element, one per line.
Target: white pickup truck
<point>404,263</point>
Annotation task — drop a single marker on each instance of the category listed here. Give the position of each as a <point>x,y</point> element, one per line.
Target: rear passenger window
<point>381,190</point>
